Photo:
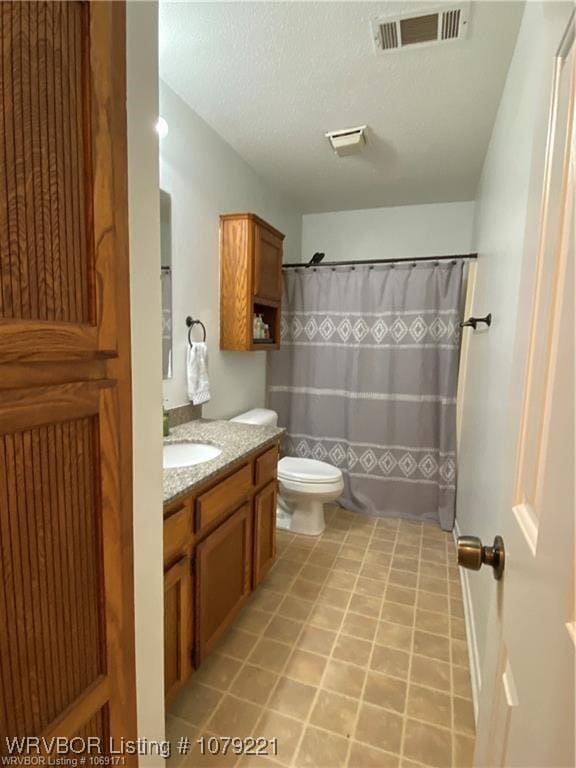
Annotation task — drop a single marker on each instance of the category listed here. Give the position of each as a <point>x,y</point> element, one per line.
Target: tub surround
<point>236,440</point>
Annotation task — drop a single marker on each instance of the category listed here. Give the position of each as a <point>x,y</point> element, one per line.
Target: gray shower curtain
<point>366,379</point>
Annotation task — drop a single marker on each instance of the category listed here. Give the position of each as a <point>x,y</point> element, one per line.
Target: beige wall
<point>205,178</point>
<point>143,191</point>
<point>507,214</point>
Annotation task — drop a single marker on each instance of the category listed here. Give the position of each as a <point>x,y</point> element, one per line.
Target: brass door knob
<point>472,554</point>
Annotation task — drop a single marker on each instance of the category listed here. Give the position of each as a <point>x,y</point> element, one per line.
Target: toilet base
<point>303,516</point>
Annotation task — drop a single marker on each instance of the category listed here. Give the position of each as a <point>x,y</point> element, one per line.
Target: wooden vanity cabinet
<point>223,578</point>
<point>251,253</point>
<point>178,626</point>
<point>219,543</point>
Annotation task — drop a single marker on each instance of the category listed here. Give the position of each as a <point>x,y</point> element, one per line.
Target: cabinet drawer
<point>223,497</point>
<point>266,466</point>
<point>177,533</point>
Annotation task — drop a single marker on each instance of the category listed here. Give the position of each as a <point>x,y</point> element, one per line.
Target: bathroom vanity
<point>219,537</point>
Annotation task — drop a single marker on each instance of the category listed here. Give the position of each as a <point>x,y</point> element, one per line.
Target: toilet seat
<point>308,471</point>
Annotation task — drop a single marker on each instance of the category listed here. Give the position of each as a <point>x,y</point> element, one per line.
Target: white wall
<point>205,178</point>
<point>506,234</point>
<point>389,233</point>
<point>144,222</point>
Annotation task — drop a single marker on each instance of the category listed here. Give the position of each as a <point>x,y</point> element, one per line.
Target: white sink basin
<point>188,454</point>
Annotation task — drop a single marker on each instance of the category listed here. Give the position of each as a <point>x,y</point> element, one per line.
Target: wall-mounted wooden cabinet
<point>250,280</point>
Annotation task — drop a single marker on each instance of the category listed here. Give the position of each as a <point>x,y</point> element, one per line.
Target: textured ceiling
<point>271,78</point>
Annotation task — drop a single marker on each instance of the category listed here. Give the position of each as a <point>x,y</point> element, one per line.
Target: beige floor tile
<point>385,545</point>
<point>270,654</point>
<point>320,749</point>
<point>352,650</point>
<point>430,584</point>
<point>285,630</point>
<point>390,661</point>
<point>316,640</point>
<point>312,572</point>
<point>237,643</point>
<point>199,759</point>
<point>196,703</point>
<point>369,587</point>
<point>253,620</point>
<point>253,684</point>
<point>376,572</point>
<point>337,598</point>
<point>403,578</point>
<point>347,565</point>
<point>400,595</point>
<point>429,705</point>
<point>217,671</point>
<point>368,606</point>
<point>308,590</point>
<point>379,728</point>
<point>397,614</point>
<point>458,629</point>
<point>175,730</point>
<point>385,691</point>
<point>403,563</point>
<point>464,716</point>
<point>459,653</point>
<point>353,553</point>
<point>430,621</point>
<point>378,558</point>
<point>326,617</point>
<point>431,602</point>
<point>359,626</point>
<point>279,582</point>
<point>295,608</point>
<point>363,756</point>
<point>286,566</point>
<point>394,635</point>
<point>463,751</point>
<point>429,672</point>
<point>265,600</point>
<point>461,682</point>
<point>427,744</point>
<point>305,667</point>
<point>341,580</point>
<point>323,559</point>
<point>344,678</point>
<point>285,730</point>
<point>434,646</point>
<point>234,717</point>
<point>334,713</point>
<point>292,698</point>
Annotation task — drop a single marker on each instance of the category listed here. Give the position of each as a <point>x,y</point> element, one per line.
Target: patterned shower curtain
<point>366,379</point>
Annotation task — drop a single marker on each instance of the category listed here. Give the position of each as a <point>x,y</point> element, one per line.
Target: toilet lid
<point>307,470</point>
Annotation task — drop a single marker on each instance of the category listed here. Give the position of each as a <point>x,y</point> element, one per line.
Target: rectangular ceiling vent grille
<point>440,24</point>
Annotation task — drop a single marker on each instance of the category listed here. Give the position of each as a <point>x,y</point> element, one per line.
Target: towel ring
<point>191,323</point>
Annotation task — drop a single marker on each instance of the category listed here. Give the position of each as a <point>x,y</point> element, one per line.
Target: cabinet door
<point>223,575</point>
<point>178,626</point>
<point>267,265</point>
<point>264,531</point>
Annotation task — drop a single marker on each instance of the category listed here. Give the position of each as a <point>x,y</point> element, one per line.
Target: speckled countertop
<point>235,439</point>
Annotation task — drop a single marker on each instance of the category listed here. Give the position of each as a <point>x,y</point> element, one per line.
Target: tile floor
<point>351,653</point>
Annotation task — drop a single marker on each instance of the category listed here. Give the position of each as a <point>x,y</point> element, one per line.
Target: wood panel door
<point>66,607</point>
<point>264,531</point>
<point>178,626</point>
<point>223,577</point>
<point>267,264</point>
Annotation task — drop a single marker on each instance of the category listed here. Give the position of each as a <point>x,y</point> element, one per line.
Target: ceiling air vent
<point>436,24</point>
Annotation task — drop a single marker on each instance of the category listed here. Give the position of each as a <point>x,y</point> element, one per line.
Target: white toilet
<point>305,484</point>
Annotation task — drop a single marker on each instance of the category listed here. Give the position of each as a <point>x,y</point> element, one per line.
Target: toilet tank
<point>261,416</point>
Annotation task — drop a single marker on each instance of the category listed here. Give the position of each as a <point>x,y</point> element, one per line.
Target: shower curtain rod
<point>294,265</point>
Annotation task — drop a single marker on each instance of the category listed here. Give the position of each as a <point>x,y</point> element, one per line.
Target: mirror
<point>166,281</point>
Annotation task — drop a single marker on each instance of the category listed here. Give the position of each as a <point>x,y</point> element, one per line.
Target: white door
<point>526,710</point>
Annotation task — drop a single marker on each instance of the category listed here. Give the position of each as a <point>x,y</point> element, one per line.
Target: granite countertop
<point>235,439</point>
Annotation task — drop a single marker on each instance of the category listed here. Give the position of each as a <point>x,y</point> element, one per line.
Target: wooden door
<point>66,607</point>
<point>527,705</point>
<point>223,576</point>
<point>264,531</point>
<point>267,264</point>
<point>178,626</point>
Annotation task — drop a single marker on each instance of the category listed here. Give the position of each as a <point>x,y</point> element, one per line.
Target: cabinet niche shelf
<point>250,281</point>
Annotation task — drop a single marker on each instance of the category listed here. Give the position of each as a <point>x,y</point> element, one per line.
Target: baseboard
<point>473,655</point>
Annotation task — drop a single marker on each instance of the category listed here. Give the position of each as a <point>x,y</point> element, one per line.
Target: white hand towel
<point>197,373</point>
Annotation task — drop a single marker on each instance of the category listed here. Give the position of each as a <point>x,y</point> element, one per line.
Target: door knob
<point>472,554</point>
